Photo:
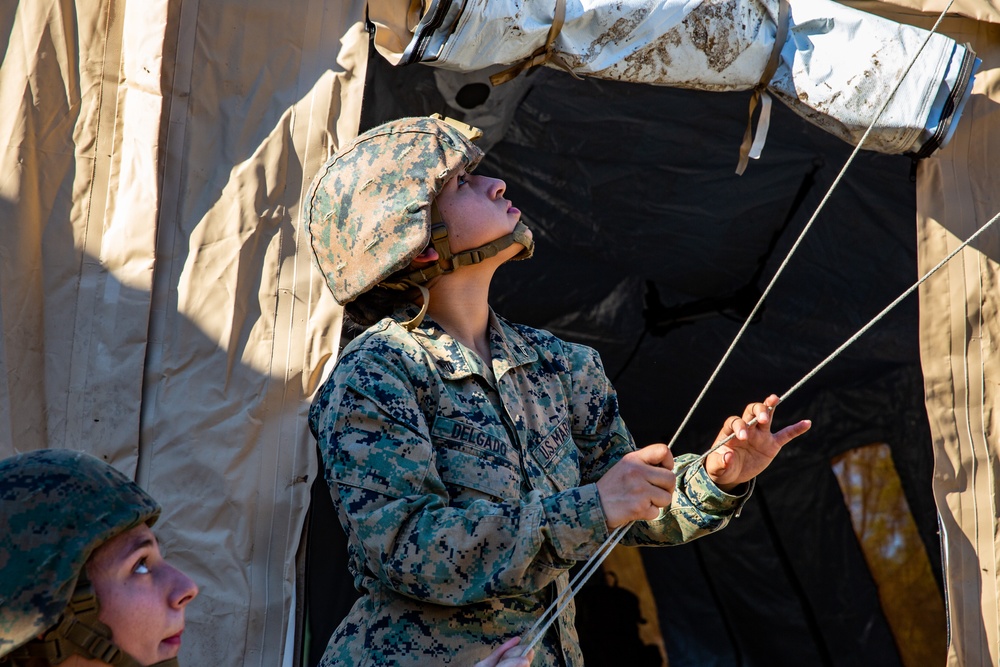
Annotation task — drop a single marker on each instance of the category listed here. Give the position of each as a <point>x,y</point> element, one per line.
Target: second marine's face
<point>141,597</point>
<point>476,213</point>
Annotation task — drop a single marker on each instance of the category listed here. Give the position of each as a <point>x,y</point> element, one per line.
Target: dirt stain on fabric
<point>710,27</point>
<point>616,33</point>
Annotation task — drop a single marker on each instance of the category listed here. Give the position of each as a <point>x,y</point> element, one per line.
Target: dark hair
<point>34,661</point>
<point>380,302</point>
<point>377,303</point>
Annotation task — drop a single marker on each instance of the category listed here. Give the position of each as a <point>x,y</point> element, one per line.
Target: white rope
<point>568,593</point>
<point>582,576</point>
<point>552,612</point>
<point>808,376</point>
<point>805,230</point>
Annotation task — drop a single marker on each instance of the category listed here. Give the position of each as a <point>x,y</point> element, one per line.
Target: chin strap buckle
<point>79,632</point>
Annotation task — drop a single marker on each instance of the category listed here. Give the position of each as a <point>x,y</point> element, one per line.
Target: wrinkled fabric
<point>468,491</point>
<point>158,304</point>
<point>724,45</point>
<point>959,329</point>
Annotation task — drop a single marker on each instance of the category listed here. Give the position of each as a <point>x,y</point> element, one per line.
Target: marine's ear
<point>427,256</point>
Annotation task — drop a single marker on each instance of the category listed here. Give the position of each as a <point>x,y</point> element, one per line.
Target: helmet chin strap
<point>448,262</point>
<point>468,257</point>
<point>79,632</point>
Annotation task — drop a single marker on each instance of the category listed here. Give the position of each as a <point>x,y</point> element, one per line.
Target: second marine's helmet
<point>371,206</point>
<point>56,508</point>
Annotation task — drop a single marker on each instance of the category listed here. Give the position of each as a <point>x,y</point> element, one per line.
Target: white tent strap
<point>748,150</point>
<point>805,230</point>
<point>556,608</point>
<point>763,123</point>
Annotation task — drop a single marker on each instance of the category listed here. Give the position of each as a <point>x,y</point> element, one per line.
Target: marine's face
<point>475,211</point>
<point>141,597</point>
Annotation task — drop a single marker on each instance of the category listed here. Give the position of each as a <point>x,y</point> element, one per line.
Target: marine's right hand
<point>637,486</point>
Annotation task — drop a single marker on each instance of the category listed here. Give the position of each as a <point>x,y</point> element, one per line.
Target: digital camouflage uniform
<point>467,492</point>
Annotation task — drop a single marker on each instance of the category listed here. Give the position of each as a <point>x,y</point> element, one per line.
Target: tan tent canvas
<point>158,304</point>
<point>958,329</point>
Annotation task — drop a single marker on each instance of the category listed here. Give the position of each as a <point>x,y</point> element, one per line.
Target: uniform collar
<point>454,360</point>
<point>516,351</point>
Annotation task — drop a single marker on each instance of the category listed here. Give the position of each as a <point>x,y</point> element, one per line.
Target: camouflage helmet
<point>56,507</point>
<point>369,207</point>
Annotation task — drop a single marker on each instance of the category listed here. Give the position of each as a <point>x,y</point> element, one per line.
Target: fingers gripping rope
<point>805,229</point>
<point>545,621</point>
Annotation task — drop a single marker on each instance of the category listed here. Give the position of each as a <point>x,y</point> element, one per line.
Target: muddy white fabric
<point>837,64</point>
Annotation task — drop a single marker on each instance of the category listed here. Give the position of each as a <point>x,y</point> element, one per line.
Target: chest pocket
<point>558,458</point>
<point>474,463</point>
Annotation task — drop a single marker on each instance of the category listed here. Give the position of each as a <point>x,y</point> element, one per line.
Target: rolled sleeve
<point>708,498</point>
<point>698,507</point>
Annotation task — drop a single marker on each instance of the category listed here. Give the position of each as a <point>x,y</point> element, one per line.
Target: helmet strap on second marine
<point>79,632</point>
<point>448,262</point>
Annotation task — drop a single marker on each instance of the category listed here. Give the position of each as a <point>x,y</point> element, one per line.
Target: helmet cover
<point>369,207</point>
<point>56,508</point>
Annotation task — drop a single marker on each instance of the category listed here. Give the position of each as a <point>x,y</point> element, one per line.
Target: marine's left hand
<point>753,448</point>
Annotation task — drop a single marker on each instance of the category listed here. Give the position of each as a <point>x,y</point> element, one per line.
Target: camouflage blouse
<point>467,492</point>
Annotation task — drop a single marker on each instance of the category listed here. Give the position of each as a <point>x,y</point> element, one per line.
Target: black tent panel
<point>653,251</point>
